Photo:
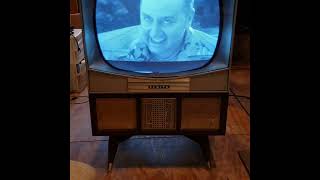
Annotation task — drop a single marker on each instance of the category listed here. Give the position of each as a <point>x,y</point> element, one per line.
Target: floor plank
<point>245,158</point>
<point>240,81</point>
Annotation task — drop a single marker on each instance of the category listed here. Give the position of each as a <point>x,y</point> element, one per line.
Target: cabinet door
<point>200,113</point>
<point>116,113</point>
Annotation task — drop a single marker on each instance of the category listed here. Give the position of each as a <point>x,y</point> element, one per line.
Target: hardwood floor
<point>93,150</point>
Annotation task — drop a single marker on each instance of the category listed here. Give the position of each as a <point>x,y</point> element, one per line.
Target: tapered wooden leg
<point>112,150</point>
<point>204,143</point>
<point>113,144</point>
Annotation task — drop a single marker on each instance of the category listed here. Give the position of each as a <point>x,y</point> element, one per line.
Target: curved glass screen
<point>150,36</point>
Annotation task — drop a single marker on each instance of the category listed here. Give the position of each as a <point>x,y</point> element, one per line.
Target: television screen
<point>150,36</point>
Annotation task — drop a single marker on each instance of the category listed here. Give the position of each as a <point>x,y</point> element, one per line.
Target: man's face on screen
<point>164,24</point>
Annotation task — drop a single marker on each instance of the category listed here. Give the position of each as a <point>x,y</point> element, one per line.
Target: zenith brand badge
<point>158,86</point>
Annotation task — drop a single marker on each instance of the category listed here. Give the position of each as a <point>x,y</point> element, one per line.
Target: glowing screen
<point>166,31</point>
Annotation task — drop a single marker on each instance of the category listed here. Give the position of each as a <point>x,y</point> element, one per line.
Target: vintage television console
<point>154,96</point>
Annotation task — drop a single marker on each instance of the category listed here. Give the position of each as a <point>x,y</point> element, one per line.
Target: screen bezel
<point>156,74</point>
<point>222,61</point>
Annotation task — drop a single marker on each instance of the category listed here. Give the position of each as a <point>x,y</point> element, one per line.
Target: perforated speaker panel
<point>158,113</point>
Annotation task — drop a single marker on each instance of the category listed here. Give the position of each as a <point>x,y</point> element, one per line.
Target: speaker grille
<point>158,113</point>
